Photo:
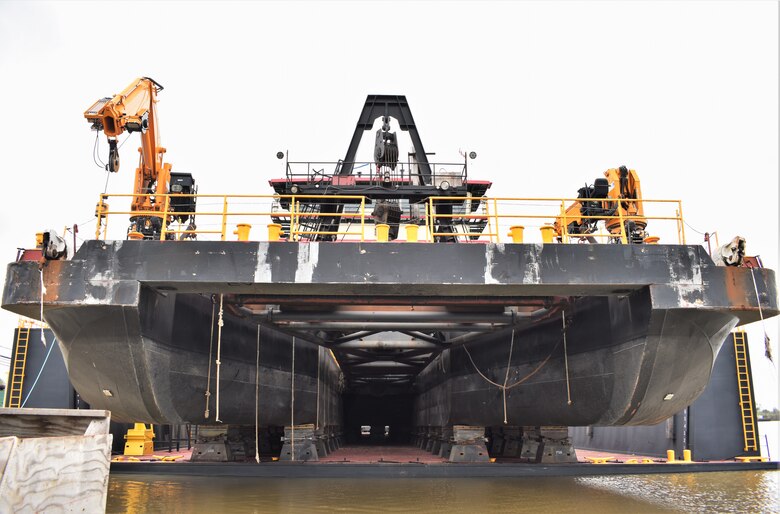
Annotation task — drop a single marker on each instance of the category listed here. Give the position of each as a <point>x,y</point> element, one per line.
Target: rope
<point>767,342</point>
<point>43,292</point>
<point>504,387</point>
<point>40,371</point>
<point>211,346</point>
<point>220,324</point>
<point>319,365</point>
<point>257,399</point>
<point>566,358</point>
<point>292,402</point>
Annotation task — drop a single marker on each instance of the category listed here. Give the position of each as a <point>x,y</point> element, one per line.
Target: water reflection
<point>701,492</point>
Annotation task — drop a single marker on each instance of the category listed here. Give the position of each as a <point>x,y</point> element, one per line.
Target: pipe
<point>387,345</point>
<point>390,326</point>
<point>384,316</point>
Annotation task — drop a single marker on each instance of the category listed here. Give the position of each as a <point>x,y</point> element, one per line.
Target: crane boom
<point>135,110</point>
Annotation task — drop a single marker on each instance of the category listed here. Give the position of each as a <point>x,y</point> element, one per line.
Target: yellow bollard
<point>140,440</point>
<point>687,456</point>
<point>382,232</point>
<point>411,233</point>
<point>548,232</point>
<point>38,239</point>
<point>135,235</point>
<point>274,231</point>
<point>652,240</point>
<point>670,456</point>
<point>242,231</point>
<point>516,233</point>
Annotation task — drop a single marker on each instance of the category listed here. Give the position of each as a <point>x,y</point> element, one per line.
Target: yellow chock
<point>754,458</point>
<point>274,231</point>
<point>687,456</point>
<point>639,461</point>
<point>135,236</point>
<point>274,459</point>
<point>670,458</point>
<point>139,440</point>
<point>516,233</point>
<point>548,232</point>
<point>411,233</point>
<point>600,460</point>
<point>168,458</point>
<point>242,231</point>
<point>382,232</point>
<point>492,459</point>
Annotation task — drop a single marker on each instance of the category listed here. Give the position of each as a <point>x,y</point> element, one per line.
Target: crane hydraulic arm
<point>618,194</point>
<point>135,110</point>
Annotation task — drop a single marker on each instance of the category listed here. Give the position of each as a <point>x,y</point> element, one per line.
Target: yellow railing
<point>501,213</point>
<point>492,217</point>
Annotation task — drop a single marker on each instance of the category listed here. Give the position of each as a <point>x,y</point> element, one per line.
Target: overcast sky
<point>548,94</point>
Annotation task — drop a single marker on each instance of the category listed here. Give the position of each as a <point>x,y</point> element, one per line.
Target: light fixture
<point>294,189</point>
<point>472,155</point>
<point>108,393</point>
<point>280,155</point>
<point>444,185</point>
<point>668,397</point>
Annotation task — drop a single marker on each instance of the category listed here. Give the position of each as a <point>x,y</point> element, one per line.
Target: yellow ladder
<point>745,394</point>
<point>18,365</point>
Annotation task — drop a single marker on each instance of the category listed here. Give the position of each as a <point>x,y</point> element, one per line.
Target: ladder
<point>745,394</point>
<point>17,366</point>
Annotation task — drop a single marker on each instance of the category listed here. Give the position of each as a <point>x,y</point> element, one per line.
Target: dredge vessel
<point>421,319</point>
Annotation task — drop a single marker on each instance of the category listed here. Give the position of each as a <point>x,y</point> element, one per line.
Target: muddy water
<point>698,492</point>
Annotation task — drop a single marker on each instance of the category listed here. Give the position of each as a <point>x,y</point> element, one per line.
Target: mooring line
<point>504,387</point>
<point>257,399</point>
<point>767,342</point>
<point>566,358</point>
<point>43,291</point>
<point>220,324</point>
<point>292,403</point>
<point>319,365</point>
<point>211,347</point>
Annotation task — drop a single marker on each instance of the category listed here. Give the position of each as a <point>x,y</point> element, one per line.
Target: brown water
<point>743,491</point>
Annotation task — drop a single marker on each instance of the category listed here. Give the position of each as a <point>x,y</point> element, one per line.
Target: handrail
<point>474,218</point>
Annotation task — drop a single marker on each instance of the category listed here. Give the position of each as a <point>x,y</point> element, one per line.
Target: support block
<point>469,444</point>
<point>299,444</point>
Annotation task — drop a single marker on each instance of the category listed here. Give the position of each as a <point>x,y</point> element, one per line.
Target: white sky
<point>548,94</point>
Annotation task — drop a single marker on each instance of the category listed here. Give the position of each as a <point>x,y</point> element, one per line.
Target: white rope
<point>43,292</point>
<point>292,402</point>
<point>211,346</point>
<point>767,342</point>
<point>257,399</point>
<point>319,365</point>
<point>505,387</point>
<point>566,358</point>
<point>220,324</point>
<point>40,371</point>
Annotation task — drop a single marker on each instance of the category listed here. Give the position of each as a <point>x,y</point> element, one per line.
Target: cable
<point>690,227</point>
<point>96,153</point>
<point>42,366</point>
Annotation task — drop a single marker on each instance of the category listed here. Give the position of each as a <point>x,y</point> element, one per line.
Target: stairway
<point>18,365</point>
<point>746,406</point>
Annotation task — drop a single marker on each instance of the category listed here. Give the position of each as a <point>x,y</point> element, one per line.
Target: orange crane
<point>135,110</point>
<point>619,194</point>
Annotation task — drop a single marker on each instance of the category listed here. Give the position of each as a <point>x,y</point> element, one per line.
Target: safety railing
<point>442,218</point>
<point>327,173</point>
<point>224,211</point>
<point>501,214</point>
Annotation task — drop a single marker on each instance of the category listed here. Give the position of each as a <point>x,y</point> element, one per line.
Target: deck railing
<point>486,219</point>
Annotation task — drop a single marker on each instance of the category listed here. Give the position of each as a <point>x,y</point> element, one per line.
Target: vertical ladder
<point>18,364</point>
<point>745,394</point>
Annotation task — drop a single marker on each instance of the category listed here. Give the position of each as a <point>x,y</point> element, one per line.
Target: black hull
<point>644,322</point>
<point>623,359</point>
